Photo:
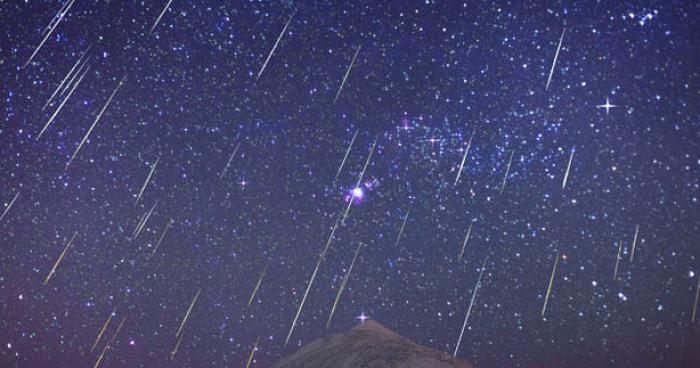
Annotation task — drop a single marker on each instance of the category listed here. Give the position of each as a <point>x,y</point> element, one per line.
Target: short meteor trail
<point>568,167</point>
<point>145,220</point>
<point>362,175</point>
<point>102,330</point>
<point>148,179</point>
<point>182,324</point>
<point>403,226</point>
<point>177,346</point>
<point>549,288</point>
<point>228,163</point>
<point>61,13</point>
<point>347,152</point>
<point>55,265</point>
<point>342,286</point>
<point>97,119</point>
<point>162,236</point>
<point>252,353</point>
<point>617,260</point>
<point>466,240</point>
<point>697,294</point>
<point>471,304</point>
<point>634,243</point>
<point>257,285</point>
<point>347,72</point>
<point>505,177</point>
<point>272,51</point>
<point>554,63</point>
<point>160,16</point>
<point>9,205</point>
<point>60,106</point>
<point>464,159</point>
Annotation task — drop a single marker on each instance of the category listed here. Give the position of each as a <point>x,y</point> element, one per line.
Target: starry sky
<point>219,156</point>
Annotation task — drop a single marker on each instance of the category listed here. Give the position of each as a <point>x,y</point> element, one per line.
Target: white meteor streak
<point>505,177</point>
<point>634,243</point>
<point>279,38</point>
<point>58,109</point>
<point>347,152</point>
<point>148,179</point>
<point>617,260</point>
<point>549,288</point>
<point>70,73</point>
<point>554,63</point>
<point>160,16</point>
<point>182,324</point>
<point>61,14</point>
<point>466,240</point>
<point>228,163</point>
<point>347,73</point>
<point>342,286</point>
<point>9,205</point>
<point>359,180</point>
<point>97,119</point>
<point>471,304</point>
<point>162,236</point>
<point>466,152</point>
<point>403,225</point>
<point>143,222</point>
<point>252,353</point>
<point>568,167</point>
<point>695,304</point>
<point>257,285</point>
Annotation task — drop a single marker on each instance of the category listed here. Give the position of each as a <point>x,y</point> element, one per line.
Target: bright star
<point>607,106</point>
<point>362,317</point>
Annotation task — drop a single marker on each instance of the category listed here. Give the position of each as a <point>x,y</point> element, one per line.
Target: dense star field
<point>194,152</point>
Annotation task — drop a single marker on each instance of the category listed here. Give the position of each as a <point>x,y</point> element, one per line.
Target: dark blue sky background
<point>428,75</point>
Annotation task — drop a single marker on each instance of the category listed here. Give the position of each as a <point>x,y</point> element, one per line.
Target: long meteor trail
<point>257,285</point>
<point>568,167</point>
<point>466,240</point>
<point>162,236</point>
<point>617,260</point>
<point>554,63</point>
<point>182,324</point>
<point>347,152</point>
<point>362,175</point>
<point>272,51</point>
<point>228,163</point>
<point>61,13</point>
<point>505,177</point>
<point>9,205</point>
<point>464,158</point>
<point>102,330</point>
<point>347,73</point>
<point>342,286</point>
<point>70,73</point>
<point>403,226</point>
<point>549,288</point>
<point>60,106</point>
<point>634,243</point>
<point>155,24</point>
<point>55,265</point>
<point>148,179</point>
<point>97,119</point>
<point>471,304</point>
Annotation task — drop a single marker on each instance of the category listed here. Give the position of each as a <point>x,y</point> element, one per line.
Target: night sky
<point>236,153</point>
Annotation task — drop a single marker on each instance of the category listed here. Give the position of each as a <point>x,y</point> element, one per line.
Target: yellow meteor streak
<point>257,286</point>
<point>634,243</point>
<point>177,346</point>
<point>188,313</point>
<point>279,38</point>
<point>252,352</point>
<point>55,265</point>
<point>148,179</point>
<point>97,119</point>
<point>342,286</point>
<point>549,288</point>
<point>505,177</point>
<point>109,343</point>
<point>617,260</point>
<point>347,73</point>
<point>466,240</point>
<point>60,106</point>
<point>464,158</point>
<point>102,330</point>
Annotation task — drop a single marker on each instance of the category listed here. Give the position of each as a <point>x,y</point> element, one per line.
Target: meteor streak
<point>549,288</point>
<point>697,294</point>
<point>97,119</point>
<point>70,73</point>
<point>466,152</point>
<point>403,225</point>
<point>58,109</point>
<point>55,265</point>
<point>634,243</point>
<point>505,177</point>
<point>188,313</point>
<point>617,260</point>
<point>109,343</point>
<point>362,174</point>
<point>466,240</point>
<point>52,26</point>
<point>177,346</point>
<point>554,63</point>
<point>342,286</point>
<point>148,179</point>
<point>347,152</point>
<point>162,236</point>
<point>145,220</point>
<point>257,285</point>
<point>252,353</point>
<point>568,167</point>
<point>102,330</point>
<point>471,304</point>
<point>279,38</point>
<point>223,172</point>
<point>9,205</point>
<point>347,72</point>
<point>160,16</point>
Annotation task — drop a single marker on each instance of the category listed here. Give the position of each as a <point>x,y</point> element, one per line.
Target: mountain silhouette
<point>368,345</point>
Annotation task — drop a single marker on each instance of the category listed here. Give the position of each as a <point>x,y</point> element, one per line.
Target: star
<point>607,106</point>
<point>362,317</point>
